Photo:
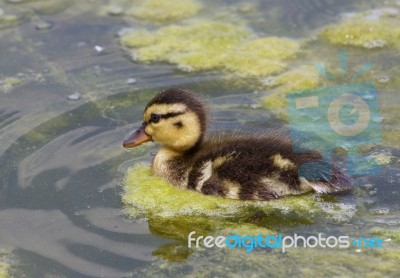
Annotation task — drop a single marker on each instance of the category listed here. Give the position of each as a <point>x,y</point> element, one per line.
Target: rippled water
<point>61,158</point>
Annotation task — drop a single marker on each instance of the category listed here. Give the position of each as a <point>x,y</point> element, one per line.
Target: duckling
<point>240,166</point>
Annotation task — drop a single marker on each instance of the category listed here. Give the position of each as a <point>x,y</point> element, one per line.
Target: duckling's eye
<point>155,118</point>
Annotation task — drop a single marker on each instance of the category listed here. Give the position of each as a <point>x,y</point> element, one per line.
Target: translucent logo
<point>279,241</point>
<point>344,116</point>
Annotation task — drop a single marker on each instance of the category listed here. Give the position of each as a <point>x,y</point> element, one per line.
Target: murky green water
<point>62,163</point>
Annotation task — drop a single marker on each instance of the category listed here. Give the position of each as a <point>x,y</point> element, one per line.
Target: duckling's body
<point>243,167</point>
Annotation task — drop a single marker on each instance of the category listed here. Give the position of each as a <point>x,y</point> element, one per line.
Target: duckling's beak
<point>137,138</point>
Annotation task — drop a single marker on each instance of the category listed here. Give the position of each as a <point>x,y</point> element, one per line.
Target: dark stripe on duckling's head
<point>184,96</point>
<point>155,118</point>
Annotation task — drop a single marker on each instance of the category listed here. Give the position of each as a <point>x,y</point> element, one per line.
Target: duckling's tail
<point>336,181</point>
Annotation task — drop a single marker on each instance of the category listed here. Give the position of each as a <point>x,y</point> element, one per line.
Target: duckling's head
<point>175,118</point>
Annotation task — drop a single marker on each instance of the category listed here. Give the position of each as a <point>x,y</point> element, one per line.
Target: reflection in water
<point>62,163</point>
<point>59,153</point>
<point>50,234</point>
<point>64,199</point>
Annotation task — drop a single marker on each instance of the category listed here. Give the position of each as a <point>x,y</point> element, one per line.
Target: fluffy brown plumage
<point>247,167</point>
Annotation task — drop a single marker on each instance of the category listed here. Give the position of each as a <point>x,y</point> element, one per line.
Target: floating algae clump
<point>364,33</point>
<point>261,57</point>
<point>7,20</point>
<point>4,264</point>
<point>163,11</point>
<point>8,83</point>
<point>3,270</point>
<point>151,195</point>
<point>304,77</point>
<point>207,44</point>
<point>199,45</point>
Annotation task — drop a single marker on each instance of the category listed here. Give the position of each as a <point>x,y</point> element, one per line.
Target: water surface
<point>62,163</point>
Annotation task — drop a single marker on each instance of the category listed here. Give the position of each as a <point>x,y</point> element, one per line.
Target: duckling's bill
<point>137,138</point>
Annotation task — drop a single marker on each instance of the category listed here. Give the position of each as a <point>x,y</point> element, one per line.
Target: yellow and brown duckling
<point>243,167</point>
